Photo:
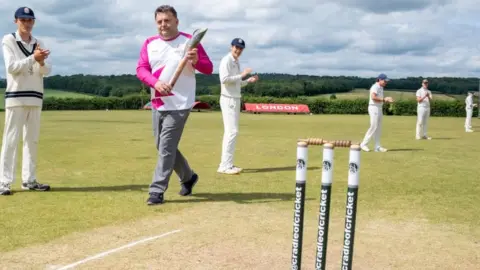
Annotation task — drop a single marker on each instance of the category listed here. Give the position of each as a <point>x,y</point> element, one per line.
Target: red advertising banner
<point>276,108</point>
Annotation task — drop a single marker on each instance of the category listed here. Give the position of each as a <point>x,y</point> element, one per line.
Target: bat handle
<point>178,71</point>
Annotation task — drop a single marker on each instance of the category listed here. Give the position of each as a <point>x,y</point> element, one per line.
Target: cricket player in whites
<point>25,67</point>
<point>375,106</point>
<point>232,80</point>
<point>423,111</point>
<point>469,109</point>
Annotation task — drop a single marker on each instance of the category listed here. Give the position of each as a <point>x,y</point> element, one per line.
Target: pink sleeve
<point>204,65</point>
<point>144,71</point>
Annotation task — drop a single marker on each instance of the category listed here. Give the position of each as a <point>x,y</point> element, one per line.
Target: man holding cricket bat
<point>160,56</point>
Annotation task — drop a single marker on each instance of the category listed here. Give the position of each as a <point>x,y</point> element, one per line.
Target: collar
<point>170,39</point>
<point>33,40</point>
<point>230,55</point>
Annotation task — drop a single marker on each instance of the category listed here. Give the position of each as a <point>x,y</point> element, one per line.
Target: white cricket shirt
<point>469,102</point>
<point>377,89</point>
<point>24,74</point>
<point>231,77</point>
<point>421,93</point>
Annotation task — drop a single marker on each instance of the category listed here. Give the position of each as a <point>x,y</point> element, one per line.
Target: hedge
<point>95,103</point>
<point>454,108</point>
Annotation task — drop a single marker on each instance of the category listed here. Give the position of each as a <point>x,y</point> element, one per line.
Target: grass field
<point>51,93</point>
<point>395,94</point>
<point>418,204</point>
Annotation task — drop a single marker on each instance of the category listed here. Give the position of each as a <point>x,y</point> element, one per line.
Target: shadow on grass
<point>443,138</point>
<point>405,150</point>
<point>275,169</point>
<point>98,121</point>
<point>243,198</point>
<point>100,188</point>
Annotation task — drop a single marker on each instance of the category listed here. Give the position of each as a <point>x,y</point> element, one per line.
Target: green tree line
<point>270,84</point>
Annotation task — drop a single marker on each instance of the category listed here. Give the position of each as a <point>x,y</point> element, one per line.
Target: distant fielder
<point>232,80</point>
<point>375,106</point>
<point>26,66</point>
<point>423,110</point>
<point>469,109</point>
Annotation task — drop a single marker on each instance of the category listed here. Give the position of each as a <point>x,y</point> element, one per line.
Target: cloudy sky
<point>344,37</point>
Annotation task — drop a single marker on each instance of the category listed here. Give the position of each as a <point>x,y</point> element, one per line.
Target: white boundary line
<point>103,254</point>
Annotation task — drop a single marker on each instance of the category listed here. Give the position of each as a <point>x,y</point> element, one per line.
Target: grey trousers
<point>168,127</point>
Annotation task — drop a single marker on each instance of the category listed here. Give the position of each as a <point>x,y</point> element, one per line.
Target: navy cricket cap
<point>24,12</point>
<point>238,42</point>
<point>383,77</point>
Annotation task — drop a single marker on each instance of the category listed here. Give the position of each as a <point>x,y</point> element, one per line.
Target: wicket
<point>325,195</point>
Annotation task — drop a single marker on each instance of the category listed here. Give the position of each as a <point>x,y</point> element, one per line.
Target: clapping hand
<point>40,54</point>
<point>389,99</point>
<point>246,72</point>
<point>252,79</point>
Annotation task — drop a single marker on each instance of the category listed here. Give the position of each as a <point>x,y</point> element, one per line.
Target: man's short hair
<point>165,9</point>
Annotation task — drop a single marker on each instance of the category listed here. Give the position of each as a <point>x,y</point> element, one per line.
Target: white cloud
<point>344,37</point>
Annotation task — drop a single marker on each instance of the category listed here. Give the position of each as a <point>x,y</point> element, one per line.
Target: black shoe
<point>155,198</point>
<point>35,186</point>
<point>5,190</point>
<point>188,186</point>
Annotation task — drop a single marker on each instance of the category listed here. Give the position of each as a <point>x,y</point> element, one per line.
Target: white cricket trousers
<point>375,130</point>
<point>423,113</point>
<point>26,118</point>
<point>468,119</point>
<point>231,114</point>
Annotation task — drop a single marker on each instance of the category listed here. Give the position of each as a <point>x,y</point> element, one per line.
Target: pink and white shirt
<point>159,59</point>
